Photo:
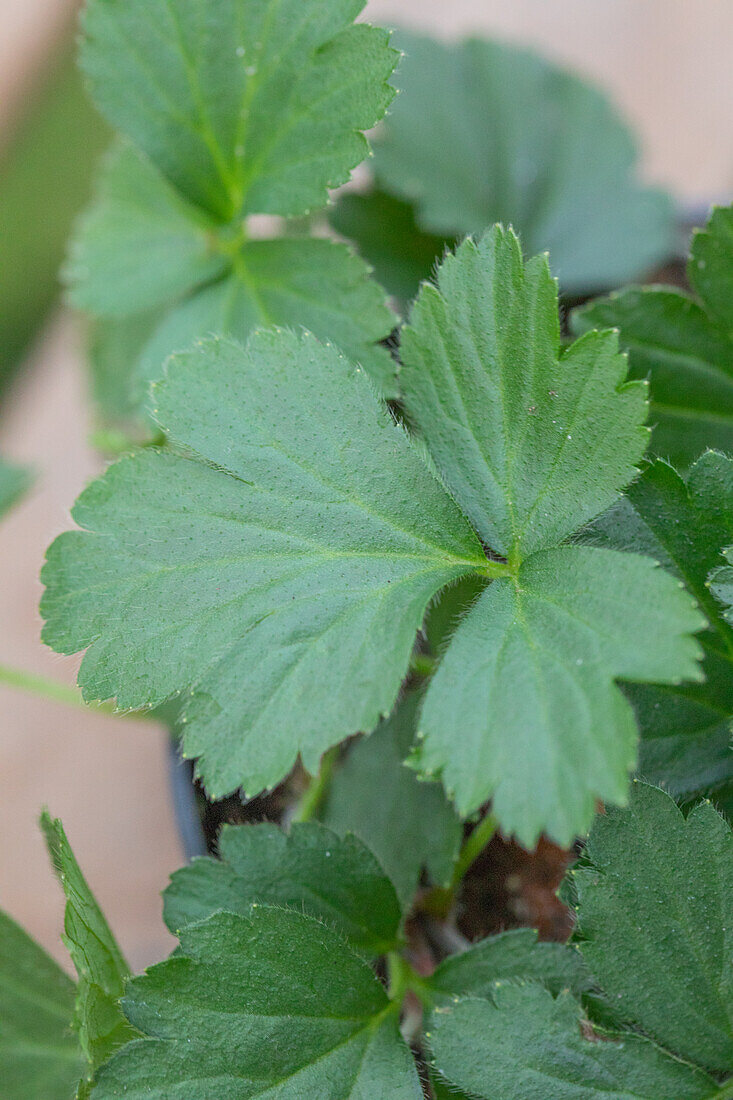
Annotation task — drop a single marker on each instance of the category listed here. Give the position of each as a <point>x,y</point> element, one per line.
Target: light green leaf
<point>101,969</point>
<point>389,239</point>
<point>115,346</point>
<point>683,524</point>
<point>140,245</point>
<point>532,443</point>
<point>272,1004</point>
<point>484,132</point>
<point>523,708</point>
<point>282,564</point>
<point>407,823</point>
<point>39,1053</point>
<point>14,482</point>
<point>316,284</point>
<point>522,1043</point>
<point>246,106</point>
<point>655,893</point>
<point>684,346</point>
<point>510,955</point>
<point>311,869</point>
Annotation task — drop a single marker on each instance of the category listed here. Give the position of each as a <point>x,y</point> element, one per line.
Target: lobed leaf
<point>310,869</point>
<point>279,559</point>
<point>269,1004</point>
<point>245,106</point>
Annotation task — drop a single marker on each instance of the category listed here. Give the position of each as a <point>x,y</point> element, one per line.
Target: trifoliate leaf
<point>39,1053</point>
<point>140,245</point>
<point>14,482</point>
<point>98,1020</point>
<point>683,524</point>
<point>246,106</point>
<point>523,708</point>
<point>721,585</point>
<point>295,282</point>
<point>270,1004</point>
<point>532,443</point>
<point>282,564</point>
<point>406,822</point>
<point>510,955</point>
<point>311,869</point>
<point>683,345</point>
<point>522,1043</point>
<point>389,239</point>
<point>654,894</point>
<point>483,132</point>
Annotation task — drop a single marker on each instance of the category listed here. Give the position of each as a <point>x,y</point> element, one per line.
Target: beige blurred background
<point>667,65</point>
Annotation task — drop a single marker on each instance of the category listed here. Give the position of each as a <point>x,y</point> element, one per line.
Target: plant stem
<point>472,849</point>
<point>317,789</point>
<point>45,688</point>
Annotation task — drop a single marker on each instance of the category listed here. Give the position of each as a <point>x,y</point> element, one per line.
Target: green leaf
<point>510,955</point>
<point>269,1004</point>
<point>532,443</point>
<point>14,483</point>
<point>310,869</point>
<point>408,824</point>
<point>655,892</point>
<point>115,346</point>
<point>684,346</point>
<point>523,708</point>
<point>39,1053</point>
<point>721,585</point>
<point>292,282</point>
<point>101,969</point>
<point>140,245</point>
<point>484,132</point>
<point>522,1043</point>
<point>389,238</point>
<point>683,524</point>
<point>282,564</point>
<point>246,106</point>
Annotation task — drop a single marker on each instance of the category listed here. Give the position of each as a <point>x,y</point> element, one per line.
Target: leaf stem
<point>317,789</point>
<point>45,688</point>
<point>472,848</point>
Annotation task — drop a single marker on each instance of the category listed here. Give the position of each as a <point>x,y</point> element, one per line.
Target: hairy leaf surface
<point>654,894</point>
<point>524,1043</point>
<point>272,1004</point>
<point>311,869</point>
<point>246,106</point>
<point>280,558</point>
<point>684,345</point>
<point>408,823</point>
<point>524,709</point>
<point>532,443</point>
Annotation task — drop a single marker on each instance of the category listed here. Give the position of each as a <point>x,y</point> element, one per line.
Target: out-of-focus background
<point>666,64</point>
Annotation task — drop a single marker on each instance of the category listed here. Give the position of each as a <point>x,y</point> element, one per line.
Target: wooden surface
<point>667,63</point>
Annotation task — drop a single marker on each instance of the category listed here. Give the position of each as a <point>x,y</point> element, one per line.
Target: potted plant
<point>407,589</point>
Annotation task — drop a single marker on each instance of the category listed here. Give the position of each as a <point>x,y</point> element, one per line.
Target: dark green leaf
<point>522,1043</point>
<point>39,1053</point>
<point>282,564</point>
<point>246,106</point>
<point>407,823</point>
<point>264,1005</point>
<point>655,892</point>
<point>310,869</point>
